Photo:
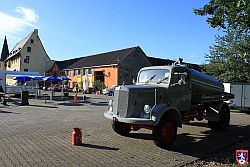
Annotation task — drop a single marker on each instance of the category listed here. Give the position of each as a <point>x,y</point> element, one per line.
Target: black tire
<point>121,128</point>
<point>224,120</point>
<point>165,133</point>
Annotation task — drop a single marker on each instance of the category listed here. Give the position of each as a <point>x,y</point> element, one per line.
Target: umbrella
<point>23,78</point>
<point>51,78</point>
<point>64,78</point>
<point>37,78</point>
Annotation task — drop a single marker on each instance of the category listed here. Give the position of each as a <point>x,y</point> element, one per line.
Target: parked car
<point>109,91</point>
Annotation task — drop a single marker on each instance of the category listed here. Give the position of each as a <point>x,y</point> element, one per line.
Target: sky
<point>76,28</point>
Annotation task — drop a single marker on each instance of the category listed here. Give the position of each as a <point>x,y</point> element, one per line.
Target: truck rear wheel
<point>165,133</point>
<point>121,128</point>
<point>224,119</point>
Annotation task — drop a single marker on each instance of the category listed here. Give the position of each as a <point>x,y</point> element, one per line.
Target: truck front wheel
<point>224,119</point>
<point>121,128</point>
<point>165,133</point>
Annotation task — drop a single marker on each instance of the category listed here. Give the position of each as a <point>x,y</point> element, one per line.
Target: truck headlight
<point>110,105</point>
<point>147,109</point>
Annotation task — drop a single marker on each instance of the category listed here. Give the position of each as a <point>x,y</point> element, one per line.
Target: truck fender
<point>162,110</point>
<point>212,112</point>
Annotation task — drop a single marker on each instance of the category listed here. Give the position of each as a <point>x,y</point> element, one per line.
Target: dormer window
<point>28,49</point>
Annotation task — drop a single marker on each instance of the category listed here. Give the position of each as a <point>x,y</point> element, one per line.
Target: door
<point>180,89</point>
<point>237,91</point>
<point>246,96</point>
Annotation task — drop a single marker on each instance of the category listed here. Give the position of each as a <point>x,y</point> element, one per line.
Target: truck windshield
<point>153,75</point>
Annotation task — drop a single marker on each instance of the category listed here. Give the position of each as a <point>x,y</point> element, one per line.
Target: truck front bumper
<point>138,121</point>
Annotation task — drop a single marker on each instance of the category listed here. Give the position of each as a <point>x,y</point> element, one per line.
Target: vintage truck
<point>165,97</point>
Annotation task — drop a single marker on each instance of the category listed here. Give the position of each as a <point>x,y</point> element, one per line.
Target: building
<point>111,68</point>
<point>29,55</point>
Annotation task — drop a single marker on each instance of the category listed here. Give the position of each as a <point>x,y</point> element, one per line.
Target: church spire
<point>5,50</point>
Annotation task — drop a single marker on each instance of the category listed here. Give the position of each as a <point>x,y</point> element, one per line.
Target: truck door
<point>180,89</point>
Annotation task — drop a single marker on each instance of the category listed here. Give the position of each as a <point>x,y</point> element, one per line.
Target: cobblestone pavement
<point>40,135</point>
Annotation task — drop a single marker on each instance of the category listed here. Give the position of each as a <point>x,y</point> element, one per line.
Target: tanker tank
<point>203,84</point>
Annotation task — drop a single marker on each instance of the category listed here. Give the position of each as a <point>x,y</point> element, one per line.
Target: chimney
<point>36,31</point>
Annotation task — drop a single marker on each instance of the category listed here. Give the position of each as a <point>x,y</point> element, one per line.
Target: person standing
<point>76,86</point>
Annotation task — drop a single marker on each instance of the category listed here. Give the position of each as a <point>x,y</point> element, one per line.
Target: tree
<point>227,14</point>
<point>229,58</point>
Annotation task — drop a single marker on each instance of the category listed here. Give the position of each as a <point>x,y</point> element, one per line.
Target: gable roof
<point>112,58</point>
<point>66,63</point>
<point>102,59</point>
<point>20,45</point>
<point>5,50</point>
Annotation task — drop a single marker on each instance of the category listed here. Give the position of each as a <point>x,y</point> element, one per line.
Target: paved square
<point>40,135</point>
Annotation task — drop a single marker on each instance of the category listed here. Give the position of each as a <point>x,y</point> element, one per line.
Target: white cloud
<point>13,24</point>
<point>192,56</point>
<point>28,14</point>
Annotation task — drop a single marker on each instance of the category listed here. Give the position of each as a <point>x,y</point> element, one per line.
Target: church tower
<point>4,54</point>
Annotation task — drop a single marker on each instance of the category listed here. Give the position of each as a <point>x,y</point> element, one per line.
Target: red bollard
<point>76,136</point>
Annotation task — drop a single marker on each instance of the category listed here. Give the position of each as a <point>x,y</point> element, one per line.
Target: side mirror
<point>133,81</point>
<point>181,82</point>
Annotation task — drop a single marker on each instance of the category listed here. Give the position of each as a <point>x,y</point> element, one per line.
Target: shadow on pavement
<point>202,144</point>
<point>70,104</point>
<point>33,105</point>
<point>7,112</point>
<point>99,147</point>
<point>144,136</point>
<point>100,104</point>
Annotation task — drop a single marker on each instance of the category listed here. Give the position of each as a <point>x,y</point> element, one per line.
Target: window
<point>178,77</point>
<point>28,49</point>
<point>154,75</point>
<point>76,72</point>
<point>27,59</point>
<point>82,71</point>
<point>67,73</point>
<point>25,70</point>
<point>32,41</point>
<point>86,71</point>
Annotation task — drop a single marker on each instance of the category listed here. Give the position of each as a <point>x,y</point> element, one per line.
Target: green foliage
<point>98,85</point>
<point>227,14</point>
<point>229,57</point>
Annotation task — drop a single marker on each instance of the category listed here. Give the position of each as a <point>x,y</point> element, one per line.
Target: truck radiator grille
<point>120,103</point>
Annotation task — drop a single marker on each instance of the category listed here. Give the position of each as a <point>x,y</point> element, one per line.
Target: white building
<point>29,55</point>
